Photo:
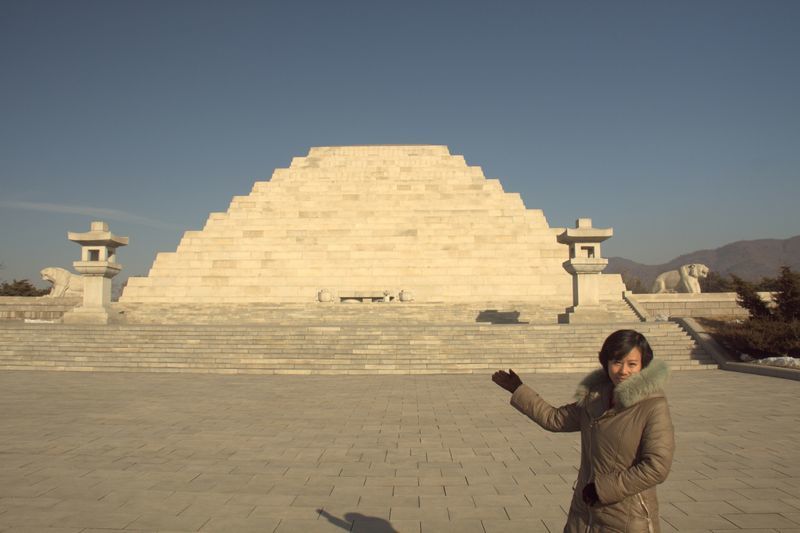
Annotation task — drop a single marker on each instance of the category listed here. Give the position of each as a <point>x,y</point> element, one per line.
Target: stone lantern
<point>585,264</point>
<point>98,265</point>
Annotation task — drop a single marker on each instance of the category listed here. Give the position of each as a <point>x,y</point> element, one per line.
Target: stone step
<point>363,336</point>
<point>312,367</point>
<point>323,358</point>
<point>333,358</point>
<point>284,351</point>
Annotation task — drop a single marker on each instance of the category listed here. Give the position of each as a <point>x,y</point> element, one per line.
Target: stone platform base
<point>354,313</point>
<point>587,315</point>
<point>83,315</point>
<point>36,308</point>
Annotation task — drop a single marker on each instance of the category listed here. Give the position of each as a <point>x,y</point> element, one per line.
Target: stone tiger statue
<point>685,279</point>
<point>65,283</point>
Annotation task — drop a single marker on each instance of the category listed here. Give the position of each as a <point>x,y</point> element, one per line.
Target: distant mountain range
<point>750,260</point>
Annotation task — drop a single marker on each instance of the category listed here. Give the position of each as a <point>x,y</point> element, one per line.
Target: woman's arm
<point>657,447</point>
<point>529,403</point>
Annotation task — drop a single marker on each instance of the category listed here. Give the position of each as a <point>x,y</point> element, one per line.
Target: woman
<point>626,435</point>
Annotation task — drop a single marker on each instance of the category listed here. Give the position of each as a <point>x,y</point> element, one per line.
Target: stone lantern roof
<point>584,232</point>
<point>98,235</point>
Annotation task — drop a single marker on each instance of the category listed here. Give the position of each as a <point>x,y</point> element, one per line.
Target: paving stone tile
<point>444,481</point>
<point>400,526</point>
<point>261,499</point>
<point>703,495</point>
<point>391,481</point>
<point>749,530</point>
<point>451,526</point>
<point>305,490</point>
<point>759,520</point>
<point>763,506</point>
<point>706,507</point>
<point>427,490</point>
<point>309,526</point>
<point>286,512</point>
<point>204,498</point>
<point>363,491</point>
<point>528,526</point>
<point>371,511</point>
<point>227,524</point>
<point>498,500</point>
<point>327,502</point>
<point>535,512</point>
<point>446,501</point>
<point>720,483</point>
<point>148,505</point>
<point>698,522</point>
<point>484,512</point>
<point>29,503</point>
<point>418,513</point>
<point>218,511</point>
<point>41,529</point>
<point>110,519</point>
<point>764,493</point>
<point>470,490</point>
<point>105,530</point>
<point>163,521</point>
<point>794,502</point>
<point>391,501</point>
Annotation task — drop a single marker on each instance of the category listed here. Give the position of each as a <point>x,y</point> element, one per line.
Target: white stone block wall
<point>369,218</point>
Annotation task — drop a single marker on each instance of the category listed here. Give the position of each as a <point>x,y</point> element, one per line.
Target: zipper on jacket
<point>647,513</point>
<point>590,479</point>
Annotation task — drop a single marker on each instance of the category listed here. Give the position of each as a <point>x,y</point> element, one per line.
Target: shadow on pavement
<point>364,523</point>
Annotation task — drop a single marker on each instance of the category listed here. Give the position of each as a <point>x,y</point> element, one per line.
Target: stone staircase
<point>334,348</point>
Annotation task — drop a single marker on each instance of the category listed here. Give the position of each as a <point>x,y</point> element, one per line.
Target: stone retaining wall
<point>709,305</point>
<point>36,308</point>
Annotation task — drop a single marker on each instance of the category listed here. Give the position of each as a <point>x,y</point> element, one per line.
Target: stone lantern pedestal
<point>585,265</point>
<point>98,265</point>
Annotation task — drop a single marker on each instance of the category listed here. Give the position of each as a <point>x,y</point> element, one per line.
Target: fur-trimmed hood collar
<point>636,388</point>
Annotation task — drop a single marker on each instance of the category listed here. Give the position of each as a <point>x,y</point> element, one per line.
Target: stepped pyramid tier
<point>364,221</point>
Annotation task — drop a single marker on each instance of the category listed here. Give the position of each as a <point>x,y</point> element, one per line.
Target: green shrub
<point>770,331</point>
<point>21,287</point>
<point>761,338</point>
<point>787,299</point>
<point>715,282</point>
<point>748,298</point>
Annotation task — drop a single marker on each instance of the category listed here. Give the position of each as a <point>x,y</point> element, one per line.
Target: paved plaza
<point>92,452</point>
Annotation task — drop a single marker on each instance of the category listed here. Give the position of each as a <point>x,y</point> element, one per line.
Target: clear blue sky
<point>676,123</point>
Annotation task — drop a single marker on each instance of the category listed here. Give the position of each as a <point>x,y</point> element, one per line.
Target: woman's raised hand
<point>508,380</point>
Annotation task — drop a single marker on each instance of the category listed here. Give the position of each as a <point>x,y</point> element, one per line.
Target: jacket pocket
<point>639,525</point>
<point>633,525</point>
<point>610,518</point>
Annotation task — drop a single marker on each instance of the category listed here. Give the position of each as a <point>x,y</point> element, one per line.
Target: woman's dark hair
<point>620,343</point>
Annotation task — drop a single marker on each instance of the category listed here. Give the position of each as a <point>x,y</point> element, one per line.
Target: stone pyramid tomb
<point>367,222</point>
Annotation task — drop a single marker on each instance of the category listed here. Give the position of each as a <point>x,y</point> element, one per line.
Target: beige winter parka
<point>626,450</point>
